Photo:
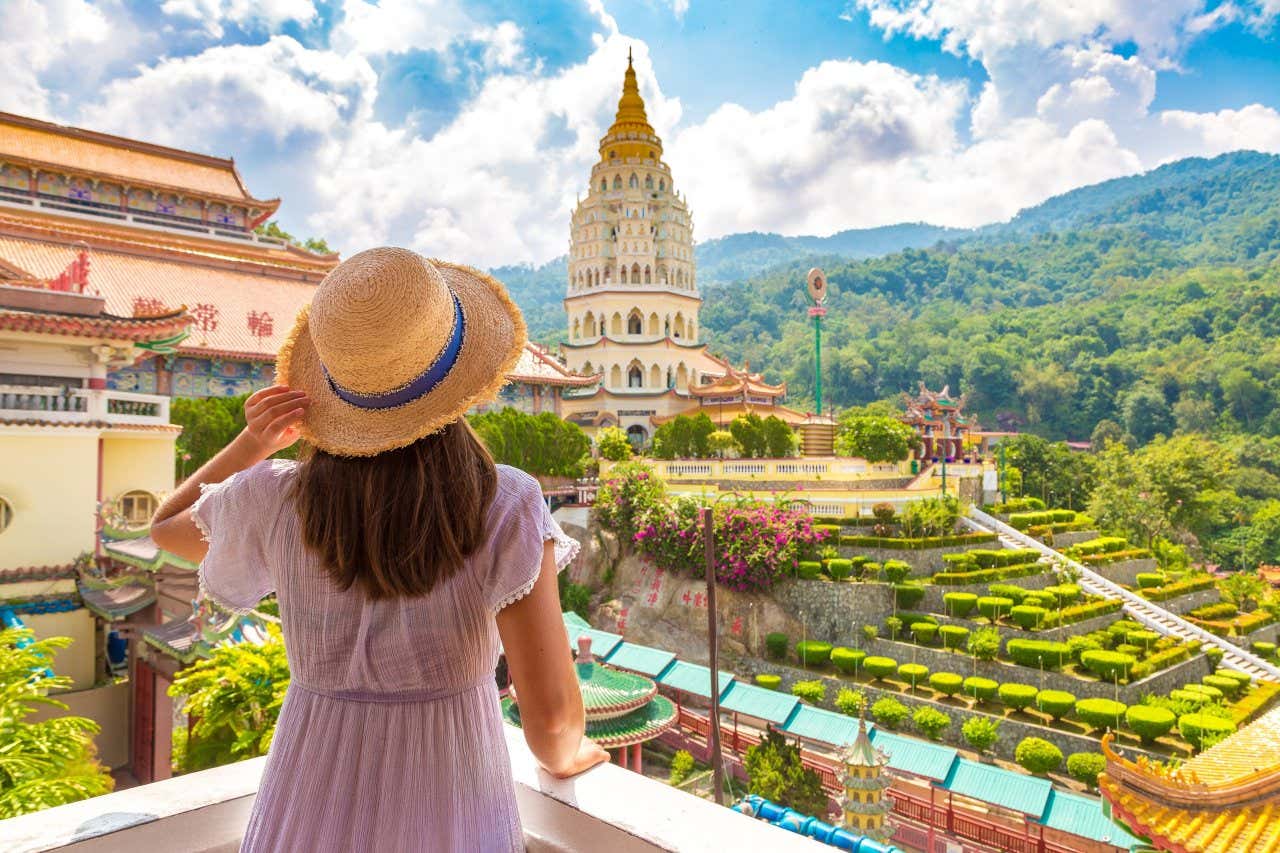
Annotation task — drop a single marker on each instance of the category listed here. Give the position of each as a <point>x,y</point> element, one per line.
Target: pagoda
<point>740,392</point>
<point>623,709</point>
<point>939,421</point>
<point>865,803</point>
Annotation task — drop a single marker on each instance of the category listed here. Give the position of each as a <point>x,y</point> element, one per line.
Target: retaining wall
<point>1069,538</point>
<point>1190,601</point>
<point>834,611</point>
<point>1126,571</point>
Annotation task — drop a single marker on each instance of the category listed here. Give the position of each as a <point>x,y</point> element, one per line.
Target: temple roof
<point>86,152</point>
<point>607,691</point>
<point>861,753</point>
<point>30,309</point>
<point>631,121</point>
<point>537,366</point>
<point>738,381</point>
<point>117,602</point>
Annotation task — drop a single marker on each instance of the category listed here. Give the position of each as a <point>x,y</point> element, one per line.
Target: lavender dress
<point>390,737</point>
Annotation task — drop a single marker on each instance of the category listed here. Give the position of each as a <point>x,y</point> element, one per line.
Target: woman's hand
<point>272,416</point>
<point>589,754</point>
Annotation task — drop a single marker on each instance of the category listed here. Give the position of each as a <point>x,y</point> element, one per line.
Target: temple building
<point>865,802</point>
<point>738,393</point>
<point>632,296</point>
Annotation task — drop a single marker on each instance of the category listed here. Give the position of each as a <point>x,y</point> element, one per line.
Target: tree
<point>775,772</point>
<point>208,425</point>
<point>1146,413</point>
<point>984,643</point>
<point>779,438</point>
<point>721,442</point>
<point>1049,470</point>
<point>234,696</point>
<point>613,444</point>
<point>1243,589</point>
<point>273,229</point>
<point>875,438</point>
<point>981,733</point>
<point>540,444</point>
<point>684,437</point>
<point>748,431</point>
<point>51,762</point>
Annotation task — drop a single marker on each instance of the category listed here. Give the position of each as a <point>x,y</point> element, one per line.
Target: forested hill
<point>1156,305</point>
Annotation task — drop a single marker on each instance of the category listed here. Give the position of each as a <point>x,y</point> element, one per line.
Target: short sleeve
<point>521,524</point>
<point>235,518</point>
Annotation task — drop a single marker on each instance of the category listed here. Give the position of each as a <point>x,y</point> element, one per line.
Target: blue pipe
<point>811,827</point>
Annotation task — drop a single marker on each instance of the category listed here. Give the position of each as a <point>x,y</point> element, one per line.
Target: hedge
<point>1229,686</point>
<point>813,652</point>
<point>889,712</point>
<point>1173,590</point>
<point>953,636</point>
<point>1163,659</point>
<point>769,682</point>
<point>1080,612</point>
<point>908,594</point>
<point>1017,696</point>
<point>1026,617</point>
<point>1198,728</point>
<point>808,570</point>
<point>1050,653</point>
<point>1055,703</point>
<point>847,660</point>
<point>1101,545</point>
<point>895,571</point>
<point>1036,755</point>
<point>1149,721</point>
<point>1085,767</point>
<point>1189,696</point>
<point>999,557</point>
<point>1245,680</point>
<point>1033,601</point>
<point>959,604</point>
<point>930,721</point>
<point>1101,713</point>
<point>1205,690</point>
<point>1023,520</point>
<point>1214,655</point>
<point>1150,580</point>
<point>812,692</point>
<point>1024,504</point>
<point>913,673</point>
<point>959,562</point>
<point>1263,648</point>
<point>1108,665</point>
<point>1143,639</point>
<point>983,689</point>
<point>879,667</point>
<point>977,576</point>
<point>1063,595</point>
<point>922,543</point>
<point>839,569</point>
<point>1219,610</point>
<point>776,644</point>
<point>924,632</point>
<point>1014,593</point>
<point>992,606</point>
<point>1115,557</point>
<point>946,682</point>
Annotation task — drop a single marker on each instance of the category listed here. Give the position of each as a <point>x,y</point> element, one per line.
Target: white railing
<point>606,808</point>
<point>70,405</point>
<point>745,468</point>
<point>854,469</point>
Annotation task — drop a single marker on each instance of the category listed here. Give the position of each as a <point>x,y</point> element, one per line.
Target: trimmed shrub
<point>1142,639</point>
<point>1229,686</point>
<point>839,569</point>
<point>1085,767</point>
<point>1007,590</point>
<point>930,721</point>
<point>850,701</point>
<point>812,692</point>
<point>1242,678</point>
<point>1055,703</point>
<point>994,606</point>
<point>1149,722</point>
<point>982,689</point>
<point>1062,595</point>
<point>1150,580</point>
<point>808,570</point>
<point>681,766</point>
<point>1032,601</point>
<point>896,571</point>
<point>953,636</point>
<point>908,595</point>
<point>1126,649</point>
<point>813,652</point>
<point>1218,610</point>
<point>889,712</point>
<point>768,682</point>
<point>1083,643</point>
<point>1264,649</point>
<point>924,632</point>
<point>1028,617</point>
<point>1108,665</point>
<point>1080,612</point>
<point>980,732</point>
<point>1203,730</point>
<point>893,627</point>
<point>1214,655</point>
<point>913,673</point>
<point>871,570</point>
<point>1161,659</point>
<point>1050,653</point>
<point>947,683</point>
<point>1037,755</point>
<point>1101,713</point>
<point>984,643</point>
<point>879,667</point>
<point>959,604</point>
<point>847,660</point>
<point>1191,697</point>
<point>1205,690</point>
<point>1017,696</point>
<point>959,563</point>
<point>870,632</point>
<point>776,645</point>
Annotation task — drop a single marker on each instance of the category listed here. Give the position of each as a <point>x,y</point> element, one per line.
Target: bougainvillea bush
<point>756,543</point>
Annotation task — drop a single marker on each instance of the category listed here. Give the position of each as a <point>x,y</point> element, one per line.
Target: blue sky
<point>466,130</point>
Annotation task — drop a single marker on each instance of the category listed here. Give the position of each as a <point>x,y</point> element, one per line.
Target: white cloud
<point>38,36</point>
<point>679,8</point>
<point>397,26</point>
<point>215,14</point>
<point>1207,134</point>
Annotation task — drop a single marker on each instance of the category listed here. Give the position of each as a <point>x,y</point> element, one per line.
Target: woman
<point>399,554</point>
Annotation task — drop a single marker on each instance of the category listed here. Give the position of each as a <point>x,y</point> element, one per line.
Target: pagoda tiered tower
<point>865,804</point>
<point>632,297</point>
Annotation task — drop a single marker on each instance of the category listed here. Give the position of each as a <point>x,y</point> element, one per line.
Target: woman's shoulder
<point>515,486</point>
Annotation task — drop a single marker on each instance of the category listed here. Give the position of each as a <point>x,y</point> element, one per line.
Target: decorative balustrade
<point>64,404</point>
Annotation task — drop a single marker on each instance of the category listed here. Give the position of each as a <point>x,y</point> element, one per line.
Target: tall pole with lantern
<point>817,280</point>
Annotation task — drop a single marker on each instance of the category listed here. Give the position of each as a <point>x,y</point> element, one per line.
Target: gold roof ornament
<point>631,135</point>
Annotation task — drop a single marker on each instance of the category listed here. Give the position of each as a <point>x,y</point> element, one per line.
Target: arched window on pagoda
<point>633,182</point>
<point>615,377</point>
<point>587,369</point>
<point>682,377</point>
<point>677,328</point>
<point>635,273</point>
<point>666,326</point>
<point>615,324</point>
<point>655,377</point>
<point>617,182</point>
<point>577,329</point>
<point>635,377</point>
<point>589,325</point>
<point>635,325</point>
<point>662,185</point>
<point>648,278</point>
<point>604,185</point>
<point>653,323</point>
<point>622,274</point>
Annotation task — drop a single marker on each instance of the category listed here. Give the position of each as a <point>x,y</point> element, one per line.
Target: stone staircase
<point>1138,608</point>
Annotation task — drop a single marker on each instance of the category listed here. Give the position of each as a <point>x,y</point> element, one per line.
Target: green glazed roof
<point>693,678</point>
<point>758,702</point>
<point>909,755</point>
<point>988,783</point>
<point>604,688</point>
<point>826,726</point>
<point>642,659</point>
<point>642,724</point>
<point>1083,816</point>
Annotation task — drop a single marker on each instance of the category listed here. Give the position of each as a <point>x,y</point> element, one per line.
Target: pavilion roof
<point>738,381</point>
<point>723,415</point>
<point>759,702</point>
<point>991,784</point>
<point>537,366</point>
<point>820,724</point>
<point>694,678</point>
<point>117,602</point>
<point>642,659</point>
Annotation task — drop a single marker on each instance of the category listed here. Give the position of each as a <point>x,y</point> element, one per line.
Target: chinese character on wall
<point>206,316</point>
<point>260,324</point>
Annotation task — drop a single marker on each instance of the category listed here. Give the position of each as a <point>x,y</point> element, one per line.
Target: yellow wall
<point>49,476</point>
<point>77,660</point>
<point>108,706</point>
<point>144,462</point>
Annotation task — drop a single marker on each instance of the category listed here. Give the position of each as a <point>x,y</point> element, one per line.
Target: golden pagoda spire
<point>631,135</point>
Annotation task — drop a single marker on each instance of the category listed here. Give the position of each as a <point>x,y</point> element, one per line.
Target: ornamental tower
<point>864,802</point>
<point>632,296</point>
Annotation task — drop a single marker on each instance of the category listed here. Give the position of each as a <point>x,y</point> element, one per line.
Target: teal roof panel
<point>822,725</point>
<point>909,755</point>
<point>1084,817</point>
<point>693,678</point>
<point>999,787</point>
<point>757,702</point>
<point>573,620</point>
<point>642,659</point>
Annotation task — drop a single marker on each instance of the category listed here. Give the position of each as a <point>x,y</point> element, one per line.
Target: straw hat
<point>395,347</point>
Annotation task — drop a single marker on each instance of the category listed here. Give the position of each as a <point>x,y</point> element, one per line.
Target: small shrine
<point>939,422</point>
<point>623,709</point>
<point>865,803</point>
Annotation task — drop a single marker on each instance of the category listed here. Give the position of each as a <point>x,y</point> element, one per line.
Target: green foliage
<point>613,444</point>
<point>208,425</point>
<point>870,632</point>
<point>1214,655</point>
<point>984,643</point>
<point>1101,713</point>
<point>924,632</point>
<point>1038,653</point>
<point>775,771</point>
<point>994,606</point>
<point>1028,617</point>
<point>982,689</point>
<point>1085,767</point>
<point>574,597</point>
<point>850,702</point>
<point>681,766</point>
<point>1149,722</point>
<point>748,431</point>
<point>1055,703</point>
<point>812,692</point>
<point>931,516</point>
<point>1204,730</point>
<point>954,636</point>
<point>896,571</point>
<point>540,444</point>
<point>1036,755</point>
<point>879,667</point>
<point>981,732</point>
<point>768,681</point>
<point>839,569</point>
<point>889,712</point>
<point>930,721</point>
<point>847,660</point>
<point>947,683</point>
<point>808,570</point>
<point>47,763</point>
<point>875,438</point>
<point>1230,687</point>
<point>1147,580</point>
<point>908,595</point>
<point>1062,594</point>
<point>1017,696</point>
<point>311,244</point>
<point>684,437</point>
<point>776,643</point>
<point>893,625</point>
<point>813,652</point>
<point>913,673</point>
<point>1108,665</point>
<point>959,604</point>
<point>780,440</point>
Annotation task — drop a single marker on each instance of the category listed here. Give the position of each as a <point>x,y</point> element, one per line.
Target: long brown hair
<point>398,523</point>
